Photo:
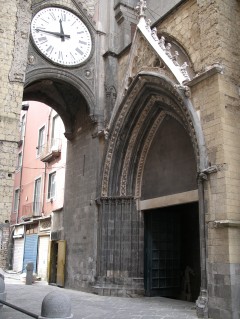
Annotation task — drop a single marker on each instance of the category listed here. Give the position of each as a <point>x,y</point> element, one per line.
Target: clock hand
<point>61,31</point>
<point>58,34</point>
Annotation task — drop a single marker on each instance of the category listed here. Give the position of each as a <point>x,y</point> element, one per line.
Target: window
<point>16,200</point>
<point>56,130</point>
<point>37,194</point>
<point>51,185</point>
<point>19,161</point>
<point>40,140</point>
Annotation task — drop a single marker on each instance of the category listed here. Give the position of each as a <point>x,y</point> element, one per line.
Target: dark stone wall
<point>170,167</point>
<point>80,211</point>
<point>121,242</point>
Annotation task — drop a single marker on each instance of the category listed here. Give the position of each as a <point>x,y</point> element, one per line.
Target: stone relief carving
<point>17,72</point>
<point>149,34</point>
<point>146,59</point>
<point>167,48</point>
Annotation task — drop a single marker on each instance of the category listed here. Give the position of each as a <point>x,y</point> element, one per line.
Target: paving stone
<point>91,306</point>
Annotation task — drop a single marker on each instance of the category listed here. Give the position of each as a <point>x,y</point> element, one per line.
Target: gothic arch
<point>150,98</point>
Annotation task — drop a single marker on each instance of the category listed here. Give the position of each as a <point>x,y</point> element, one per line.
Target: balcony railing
<point>32,209</point>
<point>51,150</point>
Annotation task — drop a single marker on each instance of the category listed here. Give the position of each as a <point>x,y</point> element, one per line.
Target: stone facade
<point>11,101</point>
<point>113,106</point>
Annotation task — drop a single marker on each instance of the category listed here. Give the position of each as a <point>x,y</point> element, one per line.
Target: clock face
<point>61,36</point>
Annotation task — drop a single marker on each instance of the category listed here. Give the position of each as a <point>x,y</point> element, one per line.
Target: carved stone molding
<point>206,73</point>
<point>171,102</point>
<point>131,145</point>
<point>113,139</point>
<point>144,153</point>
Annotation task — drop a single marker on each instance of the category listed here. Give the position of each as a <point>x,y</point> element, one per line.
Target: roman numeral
<point>63,16</point>
<point>79,51</point>
<point>82,42</point>
<point>80,32</point>
<point>50,49</point>
<point>60,55</point>
<point>37,28</point>
<point>44,20</point>
<point>52,15</point>
<point>72,56</point>
<point>42,40</point>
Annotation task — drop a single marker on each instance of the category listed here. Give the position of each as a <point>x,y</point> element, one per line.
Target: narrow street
<point>90,306</point>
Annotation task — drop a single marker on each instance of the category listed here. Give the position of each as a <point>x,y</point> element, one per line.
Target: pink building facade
<point>38,197</point>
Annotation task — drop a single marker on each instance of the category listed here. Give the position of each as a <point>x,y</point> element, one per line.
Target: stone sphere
<point>56,305</point>
<point>2,285</point>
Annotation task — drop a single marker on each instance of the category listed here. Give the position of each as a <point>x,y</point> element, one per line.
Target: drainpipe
<point>45,166</point>
<point>25,107</point>
<point>202,301</point>
<point>44,187</point>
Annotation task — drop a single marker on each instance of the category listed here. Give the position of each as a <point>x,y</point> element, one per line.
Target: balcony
<point>51,150</point>
<point>33,209</point>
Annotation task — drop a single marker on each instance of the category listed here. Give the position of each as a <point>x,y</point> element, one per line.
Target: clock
<point>61,36</point>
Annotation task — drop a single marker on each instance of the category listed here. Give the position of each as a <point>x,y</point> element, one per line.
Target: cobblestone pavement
<point>90,306</point>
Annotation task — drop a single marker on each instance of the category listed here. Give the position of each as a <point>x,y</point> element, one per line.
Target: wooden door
<point>61,262</point>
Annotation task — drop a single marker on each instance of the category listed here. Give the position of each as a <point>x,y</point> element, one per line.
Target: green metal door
<point>162,253</point>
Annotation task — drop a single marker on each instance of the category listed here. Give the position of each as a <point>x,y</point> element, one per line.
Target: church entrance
<point>172,252</point>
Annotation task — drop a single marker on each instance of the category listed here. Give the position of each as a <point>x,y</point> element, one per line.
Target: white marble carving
<point>162,49</point>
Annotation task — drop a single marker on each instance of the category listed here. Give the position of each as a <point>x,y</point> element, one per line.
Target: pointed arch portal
<point>149,238</point>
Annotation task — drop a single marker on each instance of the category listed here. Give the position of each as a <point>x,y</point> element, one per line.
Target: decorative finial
<point>141,7</point>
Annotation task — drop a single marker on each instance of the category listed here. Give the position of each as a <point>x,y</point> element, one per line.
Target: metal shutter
<point>43,257</point>
<point>18,254</point>
<point>30,251</point>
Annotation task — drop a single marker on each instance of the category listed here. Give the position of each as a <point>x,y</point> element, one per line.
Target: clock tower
<point>63,69</point>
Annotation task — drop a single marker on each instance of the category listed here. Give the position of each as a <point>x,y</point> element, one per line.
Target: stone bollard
<point>3,294</point>
<point>56,305</point>
<point>29,273</point>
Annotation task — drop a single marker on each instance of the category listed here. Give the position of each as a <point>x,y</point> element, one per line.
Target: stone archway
<point>68,95</point>
<point>150,99</point>
<point>74,102</point>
